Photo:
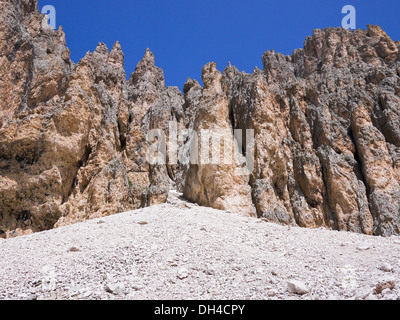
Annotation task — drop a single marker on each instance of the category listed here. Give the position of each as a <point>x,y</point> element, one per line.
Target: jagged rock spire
<point>116,55</point>
<point>211,76</point>
<point>101,51</point>
<point>147,73</point>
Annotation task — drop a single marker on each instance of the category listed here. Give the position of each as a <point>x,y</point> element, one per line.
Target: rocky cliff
<point>75,138</point>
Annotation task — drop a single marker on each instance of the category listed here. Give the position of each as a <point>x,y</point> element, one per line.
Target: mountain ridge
<point>74,138</point>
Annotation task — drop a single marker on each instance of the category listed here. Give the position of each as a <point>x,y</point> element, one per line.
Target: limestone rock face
<point>217,178</point>
<point>311,140</point>
<point>326,123</point>
<point>73,137</point>
<point>34,68</point>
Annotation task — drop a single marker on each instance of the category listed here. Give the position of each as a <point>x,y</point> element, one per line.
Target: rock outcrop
<point>216,178</point>
<point>319,144</point>
<point>73,137</point>
<point>326,126</point>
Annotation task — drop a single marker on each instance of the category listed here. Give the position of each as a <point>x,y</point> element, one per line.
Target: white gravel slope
<point>182,251</point>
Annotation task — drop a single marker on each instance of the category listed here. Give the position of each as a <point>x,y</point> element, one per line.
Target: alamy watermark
<point>349,21</point>
<point>209,146</point>
<point>217,146</point>
<point>49,21</point>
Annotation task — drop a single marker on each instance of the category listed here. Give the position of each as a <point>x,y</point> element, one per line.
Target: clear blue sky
<point>186,34</point>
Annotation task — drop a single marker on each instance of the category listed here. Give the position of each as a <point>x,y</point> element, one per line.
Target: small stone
<point>363,248</point>
<point>272,293</point>
<point>297,287</point>
<point>386,267</point>
<point>209,272</point>
<point>74,249</point>
<point>142,223</point>
<point>386,291</point>
<point>115,288</point>
<point>172,261</point>
<point>36,283</point>
<point>183,273</point>
<point>137,287</point>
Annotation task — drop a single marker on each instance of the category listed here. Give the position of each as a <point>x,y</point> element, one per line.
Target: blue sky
<point>184,35</point>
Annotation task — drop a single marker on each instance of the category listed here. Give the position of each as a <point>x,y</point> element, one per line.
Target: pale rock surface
<point>172,258</point>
